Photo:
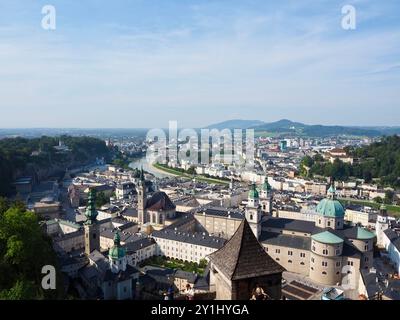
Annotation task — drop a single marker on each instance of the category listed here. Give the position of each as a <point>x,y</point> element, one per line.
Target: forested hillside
<point>17,154</point>
<point>380,160</point>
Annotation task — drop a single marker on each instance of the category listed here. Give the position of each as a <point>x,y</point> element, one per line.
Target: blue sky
<point>140,63</point>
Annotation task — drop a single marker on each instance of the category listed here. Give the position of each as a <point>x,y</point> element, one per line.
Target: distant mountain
<point>288,126</point>
<point>236,124</point>
<point>280,125</point>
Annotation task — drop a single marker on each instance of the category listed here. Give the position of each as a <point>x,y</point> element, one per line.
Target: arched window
<point>324,273</point>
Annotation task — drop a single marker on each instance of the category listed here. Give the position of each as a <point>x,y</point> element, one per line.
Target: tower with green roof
<point>92,233</point>
<point>266,197</point>
<point>253,210</point>
<point>117,255</point>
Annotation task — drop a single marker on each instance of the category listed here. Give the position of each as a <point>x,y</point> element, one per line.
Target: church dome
<point>330,207</point>
<point>116,252</point>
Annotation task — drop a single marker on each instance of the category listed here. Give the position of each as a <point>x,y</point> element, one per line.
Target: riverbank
<point>177,173</point>
<point>164,171</point>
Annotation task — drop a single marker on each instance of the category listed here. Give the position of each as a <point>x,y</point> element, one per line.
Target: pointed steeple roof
<point>91,212</point>
<point>244,257</point>
<point>253,193</point>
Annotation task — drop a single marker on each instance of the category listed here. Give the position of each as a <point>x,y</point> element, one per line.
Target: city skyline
<point>140,64</point>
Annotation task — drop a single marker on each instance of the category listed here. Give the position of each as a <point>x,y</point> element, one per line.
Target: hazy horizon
<point>139,64</point>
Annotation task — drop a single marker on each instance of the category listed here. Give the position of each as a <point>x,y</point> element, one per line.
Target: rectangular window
<point>302,255</point>
<point>290,253</point>
<point>324,263</point>
<point>277,251</point>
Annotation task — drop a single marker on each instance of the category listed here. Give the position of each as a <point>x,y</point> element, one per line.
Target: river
<point>142,162</point>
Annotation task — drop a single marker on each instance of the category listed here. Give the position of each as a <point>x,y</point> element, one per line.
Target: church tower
<point>92,232</point>
<point>381,225</point>
<point>117,255</point>
<point>266,198</point>
<point>253,211</point>
<point>141,191</point>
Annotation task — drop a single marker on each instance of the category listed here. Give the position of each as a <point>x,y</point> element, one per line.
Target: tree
<point>191,170</point>
<point>24,250</point>
<point>389,197</point>
<point>203,263</point>
<point>378,200</point>
<point>101,200</point>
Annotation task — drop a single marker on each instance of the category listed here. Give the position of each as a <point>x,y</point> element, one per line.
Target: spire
<point>141,174</point>
<point>253,193</point>
<point>117,239</point>
<point>332,190</point>
<point>91,212</point>
<point>266,186</point>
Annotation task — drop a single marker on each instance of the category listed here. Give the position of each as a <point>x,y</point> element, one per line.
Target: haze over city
<point>140,63</point>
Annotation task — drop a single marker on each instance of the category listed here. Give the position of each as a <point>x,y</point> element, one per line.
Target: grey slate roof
<point>201,239</point>
<point>244,257</point>
<point>290,224</point>
<point>394,238</point>
<point>130,212</point>
<point>160,201</point>
<point>141,243</point>
<point>285,240</point>
<point>189,276</point>
<point>222,212</point>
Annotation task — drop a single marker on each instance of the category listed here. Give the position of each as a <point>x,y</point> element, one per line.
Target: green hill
<point>39,157</point>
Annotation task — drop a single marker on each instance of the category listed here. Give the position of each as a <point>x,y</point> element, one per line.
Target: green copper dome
<point>327,238</point>
<point>116,252</point>
<point>364,234</point>
<point>253,193</point>
<point>330,208</point>
<point>91,212</point>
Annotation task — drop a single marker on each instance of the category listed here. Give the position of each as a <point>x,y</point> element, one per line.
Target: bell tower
<point>92,232</point>
<point>253,211</point>
<point>141,190</point>
<point>266,198</point>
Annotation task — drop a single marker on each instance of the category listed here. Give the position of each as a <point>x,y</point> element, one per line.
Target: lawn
<point>175,264</point>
